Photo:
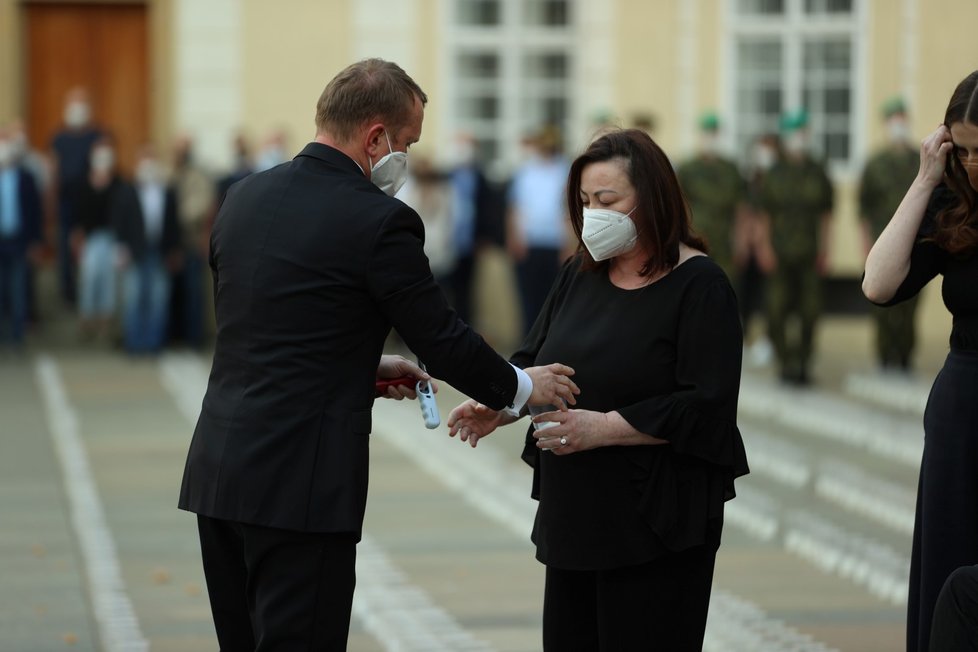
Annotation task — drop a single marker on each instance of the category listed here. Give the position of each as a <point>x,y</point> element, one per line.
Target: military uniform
<point>885,181</point>
<point>714,187</point>
<point>795,195</point>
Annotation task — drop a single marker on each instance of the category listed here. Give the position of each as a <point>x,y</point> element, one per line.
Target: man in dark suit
<point>144,215</point>
<point>313,264</point>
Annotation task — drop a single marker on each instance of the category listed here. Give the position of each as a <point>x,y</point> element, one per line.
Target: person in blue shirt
<point>537,227</point>
<point>20,235</point>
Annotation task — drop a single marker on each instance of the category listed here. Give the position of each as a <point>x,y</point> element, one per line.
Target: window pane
<point>485,107</point>
<point>828,6</point>
<point>831,55</point>
<point>759,67</point>
<point>554,110</point>
<point>548,65</point>
<point>547,13</point>
<point>760,92</point>
<point>760,6</point>
<point>769,100</point>
<point>837,100</point>
<point>478,12</point>
<point>760,58</point>
<point>478,65</point>
<point>836,146</point>
<point>537,111</point>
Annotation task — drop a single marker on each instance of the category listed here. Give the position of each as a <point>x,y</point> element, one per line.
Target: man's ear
<point>374,142</point>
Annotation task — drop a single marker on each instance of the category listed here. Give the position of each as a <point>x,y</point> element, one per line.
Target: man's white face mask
<point>77,114</point>
<point>390,171</point>
<point>103,158</point>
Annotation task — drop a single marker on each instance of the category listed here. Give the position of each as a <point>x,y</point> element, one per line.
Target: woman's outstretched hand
<point>472,421</point>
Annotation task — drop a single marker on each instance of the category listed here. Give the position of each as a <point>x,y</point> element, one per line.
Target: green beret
<point>794,120</point>
<point>894,106</point>
<point>709,121</point>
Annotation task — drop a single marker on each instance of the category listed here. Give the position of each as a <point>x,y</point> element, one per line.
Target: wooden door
<point>101,46</point>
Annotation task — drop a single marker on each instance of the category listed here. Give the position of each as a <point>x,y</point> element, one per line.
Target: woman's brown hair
<point>662,215</point>
<point>957,225</point>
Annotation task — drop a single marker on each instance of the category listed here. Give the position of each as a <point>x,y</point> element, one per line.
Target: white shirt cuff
<point>523,391</point>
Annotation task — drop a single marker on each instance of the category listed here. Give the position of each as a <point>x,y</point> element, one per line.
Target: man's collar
<point>331,155</point>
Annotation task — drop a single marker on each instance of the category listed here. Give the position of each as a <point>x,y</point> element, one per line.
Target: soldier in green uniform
<point>796,197</point>
<point>885,180</point>
<point>715,190</point>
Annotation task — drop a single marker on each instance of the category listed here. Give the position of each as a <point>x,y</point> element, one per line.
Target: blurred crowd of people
<point>768,222</point>
<point>766,217</point>
<point>129,250</point>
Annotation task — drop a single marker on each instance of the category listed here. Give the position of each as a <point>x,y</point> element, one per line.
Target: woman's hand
<point>581,430</point>
<point>934,150</point>
<point>472,421</point>
<point>552,385</point>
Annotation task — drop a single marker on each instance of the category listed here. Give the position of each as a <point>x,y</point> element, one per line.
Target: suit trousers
<point>660,605</point>
<point>278,590</point>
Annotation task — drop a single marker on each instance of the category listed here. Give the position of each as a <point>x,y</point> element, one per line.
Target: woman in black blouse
<point>935,231</point>
<point>631,484</point>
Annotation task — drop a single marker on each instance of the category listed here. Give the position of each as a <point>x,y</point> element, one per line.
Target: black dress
<point>667,357</point>
<point>946,525</point>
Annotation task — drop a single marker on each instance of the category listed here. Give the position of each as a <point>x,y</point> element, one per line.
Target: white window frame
<point>793,27</point>
<point>511,40</point>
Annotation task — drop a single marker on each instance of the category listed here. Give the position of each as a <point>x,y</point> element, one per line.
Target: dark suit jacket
<point>312,266</point>
<point>126,217</point>
<point>29,202</point>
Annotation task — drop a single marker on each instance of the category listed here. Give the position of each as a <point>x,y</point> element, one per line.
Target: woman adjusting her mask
<point>935,231</point>
<point>631,481</point>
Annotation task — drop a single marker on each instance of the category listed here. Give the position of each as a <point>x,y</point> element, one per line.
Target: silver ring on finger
<point>563,441</point>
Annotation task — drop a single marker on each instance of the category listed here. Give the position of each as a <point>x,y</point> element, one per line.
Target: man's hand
<point>396,366</point>
<point>552,385</point>
<point>472,421</point>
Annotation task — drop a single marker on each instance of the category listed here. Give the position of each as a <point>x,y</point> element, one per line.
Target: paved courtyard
<point>94,554</point>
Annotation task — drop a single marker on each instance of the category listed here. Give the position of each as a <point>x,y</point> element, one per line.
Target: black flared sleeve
<point>699,419</point>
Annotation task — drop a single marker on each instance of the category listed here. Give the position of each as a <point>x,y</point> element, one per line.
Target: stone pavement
<point>94,554</point>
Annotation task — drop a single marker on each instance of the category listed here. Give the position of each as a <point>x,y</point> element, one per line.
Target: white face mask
<point>149,172</point>
<point>764,158</point>
<point>710,144</point>
<point>390,172</point>
<point>103,158</point>
<point>607,233</point>
<point>897,130</point>
<point>796,142</point>
<point>76,114</point>
<point>6,153</point>
<point>19,142</point>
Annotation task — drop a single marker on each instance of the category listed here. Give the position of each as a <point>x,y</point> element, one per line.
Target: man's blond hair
<point>372,89</point>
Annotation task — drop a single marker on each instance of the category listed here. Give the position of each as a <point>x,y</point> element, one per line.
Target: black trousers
<point>945,528</point>
<point>955,624</point>
<point>278,590</point>
<point>661,605</point>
